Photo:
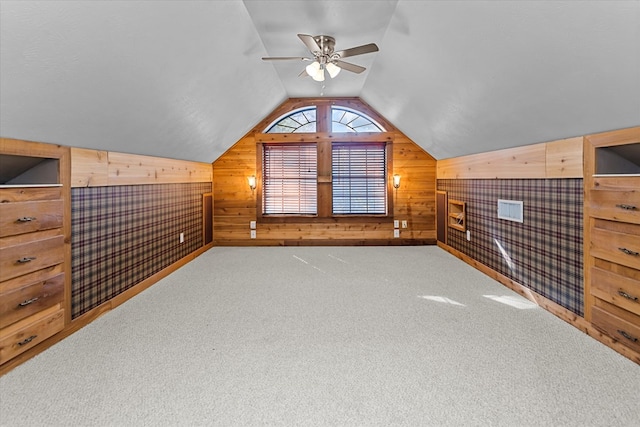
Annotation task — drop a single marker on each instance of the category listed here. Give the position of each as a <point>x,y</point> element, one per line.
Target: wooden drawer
<point>16,340</point>
<point>27,217</point>
<point>619,290</point>
<point>24,257</point>
<point>30,194</point>
<point>617,205</point>
<point>23,302</point>
<point>621,330</point>
<point>621,248</point>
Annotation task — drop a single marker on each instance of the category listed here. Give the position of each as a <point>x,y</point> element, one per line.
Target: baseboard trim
<point>91,315</point>
<point>326,242</point>
<point>552,307</point>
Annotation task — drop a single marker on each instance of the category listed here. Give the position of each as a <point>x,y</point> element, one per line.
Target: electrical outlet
<point>253,234</point>
<point>396,223</point>
<point>181,237</point>
<point>396,233</point>
<point>252,225</point>
<point>404,223</point>
<point>468,235</point>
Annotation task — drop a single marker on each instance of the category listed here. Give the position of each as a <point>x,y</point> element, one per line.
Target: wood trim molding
<point>555,159</point>
<point>283,138</point>
<point>616,137</point>
<point>92,168</point>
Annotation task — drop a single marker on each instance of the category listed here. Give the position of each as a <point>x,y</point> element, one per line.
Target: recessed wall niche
<point>27,170</point>
<point>618,160</point>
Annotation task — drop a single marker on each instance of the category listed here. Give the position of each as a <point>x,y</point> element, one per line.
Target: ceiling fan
<point>325,57</point>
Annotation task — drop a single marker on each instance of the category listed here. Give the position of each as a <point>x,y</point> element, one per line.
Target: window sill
<point>301,219</point>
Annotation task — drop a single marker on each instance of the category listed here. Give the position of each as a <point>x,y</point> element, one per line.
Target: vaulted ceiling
<point>185,79</point>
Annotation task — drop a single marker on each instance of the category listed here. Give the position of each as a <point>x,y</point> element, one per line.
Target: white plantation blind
<point>359,178</point>
<point>290,179</point>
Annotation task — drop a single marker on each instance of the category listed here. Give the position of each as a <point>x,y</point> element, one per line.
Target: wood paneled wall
<point>555,159</point>
<point>235,205</point>
<point>92,168</point>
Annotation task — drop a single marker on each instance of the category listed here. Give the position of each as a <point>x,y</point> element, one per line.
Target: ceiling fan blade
<point>285,58</point>
<point>310,42</point>
<point>359,50</point>
<point>303,73</point>
<point>349,67</point>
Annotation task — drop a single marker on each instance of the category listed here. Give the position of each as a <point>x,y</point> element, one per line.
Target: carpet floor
<point>325,336</point>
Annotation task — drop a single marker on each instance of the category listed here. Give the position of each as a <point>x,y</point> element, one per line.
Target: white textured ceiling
<point>184,79</point>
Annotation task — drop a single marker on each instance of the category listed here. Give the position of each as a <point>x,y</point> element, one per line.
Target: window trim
<point>383,148</point>
<point>290,113</point>
<point>323,140</point>
<point>325,204</point>
<point>354,111</point>
<point>305,149</point>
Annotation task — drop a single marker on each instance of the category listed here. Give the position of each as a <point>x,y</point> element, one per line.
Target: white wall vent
<point>511,210</point>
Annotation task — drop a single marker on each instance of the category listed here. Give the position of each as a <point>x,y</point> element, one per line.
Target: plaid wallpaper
<point>545,252</point>
<point>122,235</point>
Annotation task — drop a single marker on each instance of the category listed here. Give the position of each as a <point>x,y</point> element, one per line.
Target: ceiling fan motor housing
<point>326,44</point>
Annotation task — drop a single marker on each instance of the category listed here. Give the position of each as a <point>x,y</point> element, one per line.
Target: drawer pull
<point>32,337</point>
<point>626,207</point>
<point>26,219</point>
<point>629,252</point>
<point>627,296</point>
<point>26,259</point>
<point>32,300</point>
<point>627,336</point>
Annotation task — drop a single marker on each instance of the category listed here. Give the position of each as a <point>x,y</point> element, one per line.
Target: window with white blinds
<point>359,175</point>
<point>289,183</point>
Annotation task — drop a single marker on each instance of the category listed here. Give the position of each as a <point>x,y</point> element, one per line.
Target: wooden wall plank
<point>554,159</point>
<point>564,158</point>
<point>132,169</point>
<point>519,162</point>
<point>92,168</point>
<point>235,205</point>
<point>89,168</point>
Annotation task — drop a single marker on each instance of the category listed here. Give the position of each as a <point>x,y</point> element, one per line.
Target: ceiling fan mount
<point>325,43</point>
<point>322,47</point>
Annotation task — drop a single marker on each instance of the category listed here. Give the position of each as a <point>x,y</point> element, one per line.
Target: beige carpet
<point>325,336</point>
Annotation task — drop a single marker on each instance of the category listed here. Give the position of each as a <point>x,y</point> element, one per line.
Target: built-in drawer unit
<point>34,247</point>
<point>618,289</point>
<point>612,237</point>
<point>30,252</point>
<point>616,242</point>
<point>27,217</point>
<point>18,302</point>
<point>622,330</point>
<point>617,205</point>
<point>22,335</point>
<point>12,194</point>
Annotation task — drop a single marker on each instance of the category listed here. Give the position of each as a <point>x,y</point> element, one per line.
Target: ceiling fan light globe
<point>313,68</point>
<point>319,76</point>
<point>332,69</point>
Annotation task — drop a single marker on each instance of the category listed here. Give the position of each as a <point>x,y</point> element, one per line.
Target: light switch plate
<point>396,223</point>
<point>404,223</point>
<point>396,233</point>
<point>253,234</point>
<point>252,225</point>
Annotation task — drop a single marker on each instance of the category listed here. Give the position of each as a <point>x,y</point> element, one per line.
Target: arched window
<point>300,121</point>
<point>339,170</point>
<point>348,120</point>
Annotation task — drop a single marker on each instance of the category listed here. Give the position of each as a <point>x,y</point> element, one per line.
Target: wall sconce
<point>396,181</point>
<point>252,182</point>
